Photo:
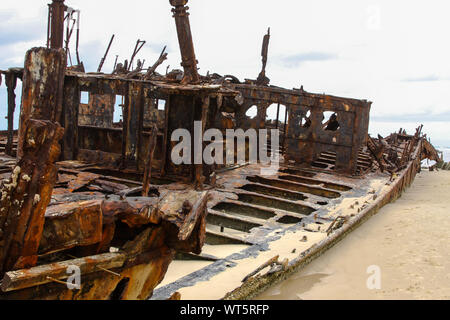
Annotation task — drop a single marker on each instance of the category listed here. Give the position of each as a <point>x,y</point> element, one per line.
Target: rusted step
<point>295,186</point>
<point>321,164</point>
<point>331,159</point>
<point>274,191</point>
<point>259,213</point>
<point>233,222</point>
<point>240,208</point>
<point>298,207</point>
<point>328,185</point>
<point>284,193</point>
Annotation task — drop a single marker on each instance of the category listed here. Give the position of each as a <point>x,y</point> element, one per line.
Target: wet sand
<point>408,240</point>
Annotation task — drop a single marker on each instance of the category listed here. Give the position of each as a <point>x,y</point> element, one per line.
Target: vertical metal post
<point>285,127</point>
<point>278,115</point>
<point>49,23</point>
<point>189,62</point>
<point>43,81</point>
<point>11,82</point>
<point>57,24</point>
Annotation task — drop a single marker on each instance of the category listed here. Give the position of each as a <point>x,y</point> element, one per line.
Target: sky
<point>393,53</point>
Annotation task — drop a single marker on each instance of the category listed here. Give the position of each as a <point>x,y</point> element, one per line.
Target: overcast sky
<point>394,53</point>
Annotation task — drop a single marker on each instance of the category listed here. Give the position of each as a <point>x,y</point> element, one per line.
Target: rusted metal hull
<point>155,230</point>
<point>104,196</point>
<point>138,282</point>
<point>263,224</point>
<point>257,285</point>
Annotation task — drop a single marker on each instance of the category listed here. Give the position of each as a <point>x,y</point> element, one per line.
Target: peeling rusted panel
<point>306,135</point>
<point>71,106</point>
<point>152,115</point>
<point>26,195</point>
<point>70,225</point>
<point>43,82</point>
<point>99,112</point>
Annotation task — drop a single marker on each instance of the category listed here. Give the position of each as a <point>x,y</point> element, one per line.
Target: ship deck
<point>261,229</point>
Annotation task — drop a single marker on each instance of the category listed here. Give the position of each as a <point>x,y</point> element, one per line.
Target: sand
<point>408,240</point>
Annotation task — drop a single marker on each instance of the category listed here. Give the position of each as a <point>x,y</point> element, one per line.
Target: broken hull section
<point>272,250</point>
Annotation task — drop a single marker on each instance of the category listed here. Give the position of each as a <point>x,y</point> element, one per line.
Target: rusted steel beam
<point>109,186</point>
<point>137,48</point>
<point>20,279</point>
<point>186,227</point>
<point>268,263</point>
<point>149,161</point>
<point>405,154</point>
<point>431,153</point>
<point>133,213</point>
<point>108,233</point>
<point>11,82</point>
<point>43,82</point>
<point>26,196</point>
<point>71,106</point>
<point>285,127</point>
<point>106,54</point>
<point>182,112</point>
<point>57,24</point>
<point>199,177</point>
<point>100,157</point>
<point>296,97</point>
<point>134,103</point>
<point>70,225</point>
<point>166,139</point>
<point>278,116</point>
<point>161,89</point>
<point>82,179</point>
<point>141,137</point>
<point>262,79</point>
<point>360,135</point>
<point>189,61</point>
<point>161,59</point>
<point>377,152</point>
<point>142,275</point>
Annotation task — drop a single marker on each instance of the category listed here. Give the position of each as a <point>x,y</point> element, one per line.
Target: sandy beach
<point>408,240</point>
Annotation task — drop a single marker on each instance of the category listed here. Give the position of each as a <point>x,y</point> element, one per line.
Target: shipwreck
<point>79,189</point>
